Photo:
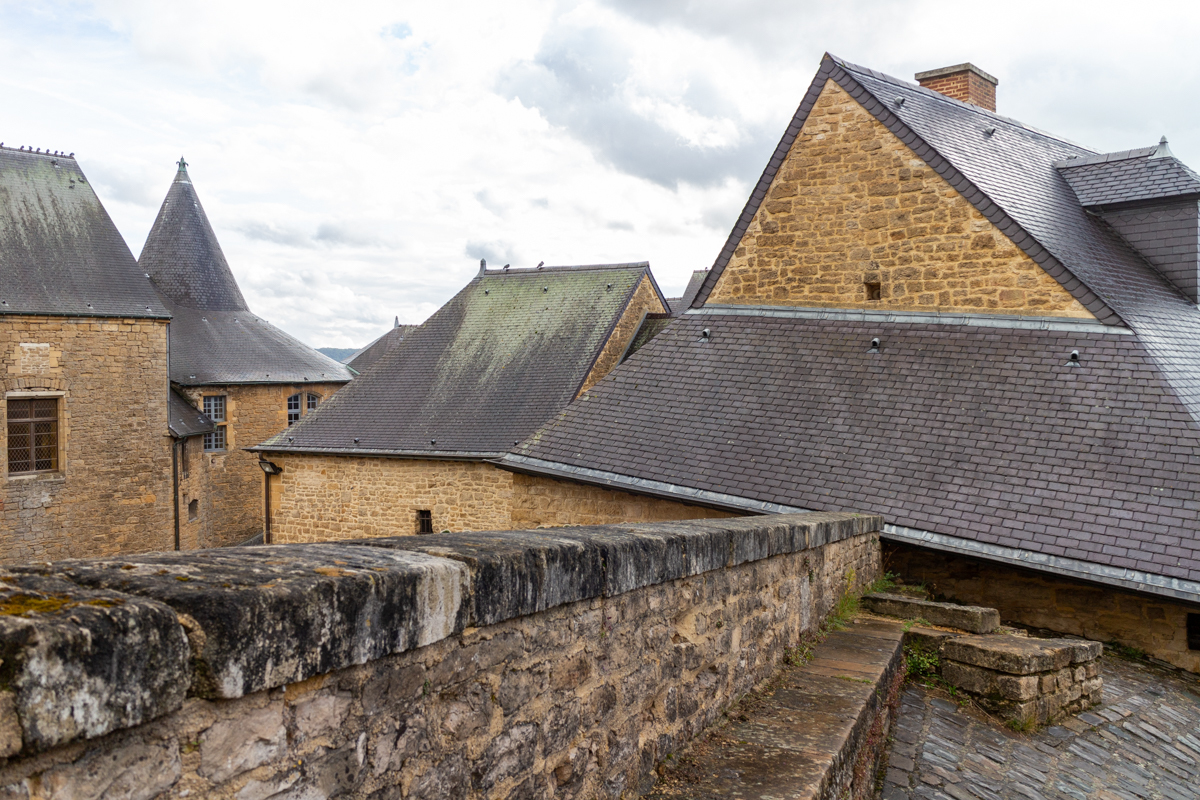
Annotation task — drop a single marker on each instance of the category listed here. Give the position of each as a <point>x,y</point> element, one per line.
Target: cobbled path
<point>1143,742</point>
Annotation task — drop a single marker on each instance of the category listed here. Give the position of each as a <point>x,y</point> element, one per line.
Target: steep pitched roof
<point>974,429</point>
<point>684,302</point>
<point>499,359</point>
<point>215,339</point>
<point>60,253</point>
<point>1131,176</point>
<point>185,419</point>
<point>364,358</point>
<point>1007,171</point>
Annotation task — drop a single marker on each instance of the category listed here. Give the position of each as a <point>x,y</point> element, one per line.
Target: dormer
<point>1152,200</point>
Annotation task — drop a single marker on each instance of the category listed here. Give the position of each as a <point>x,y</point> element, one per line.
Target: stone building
<point>406,448</point>
<point>977,329</point>
<point>84,343</point>
<point>250,379</point>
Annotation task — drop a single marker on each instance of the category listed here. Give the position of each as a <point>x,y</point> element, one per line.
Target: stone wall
<point>562,663</point>
<point>1153,624</point>
<point>645,300</point>
<point>229,485</point>
<point>112,490</point>
<point>321,498</point>
<point>852,205</point>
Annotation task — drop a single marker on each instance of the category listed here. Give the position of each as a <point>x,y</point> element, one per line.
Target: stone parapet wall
<point>559,663</point>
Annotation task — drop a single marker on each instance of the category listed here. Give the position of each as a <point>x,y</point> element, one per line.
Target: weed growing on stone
<point>1024,725</point>
<point>908,626</point>
<point>1126,652</point>
<point>921,664</point>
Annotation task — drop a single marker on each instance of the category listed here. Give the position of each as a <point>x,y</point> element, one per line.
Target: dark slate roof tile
<point>486,370</point>
<point>185,419</point>
<point>60,251</point>
<point>365,357</point>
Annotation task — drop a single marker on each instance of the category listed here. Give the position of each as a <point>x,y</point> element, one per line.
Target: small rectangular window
<point>1193,631</point>
<point>293,409</point>
<point>424,522</point>
<point>193,511</point>
<point>874,290</point>
<point>312,401</point>
<point>32,435</point>
<point>214,407</point>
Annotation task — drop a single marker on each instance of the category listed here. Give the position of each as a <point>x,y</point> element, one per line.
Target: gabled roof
<point>364,358</point>
<point>1133,176</point>
<point>1007,171</point>
<point>185,419</point>
<point>215,339</point>
<point>683,303</point>
<point>499,359</point>
<point>971,432</point>
<point>60,253</point>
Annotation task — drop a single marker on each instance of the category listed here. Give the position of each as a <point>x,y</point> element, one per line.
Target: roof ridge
<point>38,152</point>
<point>1107,158</point>
<point>565,268</point>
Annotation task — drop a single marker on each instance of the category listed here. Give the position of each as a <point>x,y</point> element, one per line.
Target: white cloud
<point>357,159</point>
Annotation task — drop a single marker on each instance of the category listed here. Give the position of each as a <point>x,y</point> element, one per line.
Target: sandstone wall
<point>229,485</point>
<point>645,300</point>
<point>321,498</point>
<point>561,664</point>
<point>112,491</point>
<point>853,204</point>
<point>1155,625</point>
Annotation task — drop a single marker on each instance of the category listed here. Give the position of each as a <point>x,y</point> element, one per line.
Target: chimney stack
<point>965,82</point>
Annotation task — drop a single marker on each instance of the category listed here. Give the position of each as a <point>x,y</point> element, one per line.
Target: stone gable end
<point>852,206</point>
<point>644,301</point>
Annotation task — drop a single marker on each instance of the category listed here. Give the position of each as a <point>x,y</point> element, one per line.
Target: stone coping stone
<point>1018,655</point>
<point>975,619</point>
<point>145,631</point>
<point>76,663</point>
<point>260,617</point>
<point>514,573</point>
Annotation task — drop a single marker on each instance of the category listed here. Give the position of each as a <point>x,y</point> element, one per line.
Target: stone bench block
<point>76,663</point>
<point>1017,655</point>
<point>975,619</point>
<point>264,617</point>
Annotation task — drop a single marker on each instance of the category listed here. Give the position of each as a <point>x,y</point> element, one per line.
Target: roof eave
<point>432,455</point>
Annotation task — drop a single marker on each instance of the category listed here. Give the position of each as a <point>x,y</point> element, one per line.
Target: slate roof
<point>215,339</point>
<point>1132,176</point>
<point>60,252</point>
<point>494,363</point>
<point>650,326</point>
<point>185,419</point>
<point>973,429</point>
<point>684,302</point>
<point>365,357</point>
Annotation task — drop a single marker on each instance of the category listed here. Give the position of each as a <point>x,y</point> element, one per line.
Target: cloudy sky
<point>357,159</point>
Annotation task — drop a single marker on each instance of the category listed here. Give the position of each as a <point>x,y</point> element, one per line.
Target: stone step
<point>975,619</point>
<point>813,737</point>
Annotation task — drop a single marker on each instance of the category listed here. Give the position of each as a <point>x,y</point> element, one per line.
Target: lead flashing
<point>917,318</point>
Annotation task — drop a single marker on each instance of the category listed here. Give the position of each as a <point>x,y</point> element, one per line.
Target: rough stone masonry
<point>562,663</point>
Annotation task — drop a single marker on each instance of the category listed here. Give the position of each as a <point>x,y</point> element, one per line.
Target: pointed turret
<point>182,254</point>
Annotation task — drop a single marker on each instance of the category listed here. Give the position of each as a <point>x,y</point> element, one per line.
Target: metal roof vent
<point>545,288</point>
<point>989,131</point>
<point>874,345</point>
<point>899,102</point>
<point>705,335</point>
<point>356,441</point>
<point>1074,360</point>
<point>433,441</point>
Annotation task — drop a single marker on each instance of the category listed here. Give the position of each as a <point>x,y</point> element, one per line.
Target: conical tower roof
<point>182,254</point>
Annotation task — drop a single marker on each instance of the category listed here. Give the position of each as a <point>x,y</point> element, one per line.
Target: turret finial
<point>181,164</point>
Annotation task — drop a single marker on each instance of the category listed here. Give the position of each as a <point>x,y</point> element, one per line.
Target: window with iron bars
<point>214,408</point>
<point>32,435</point>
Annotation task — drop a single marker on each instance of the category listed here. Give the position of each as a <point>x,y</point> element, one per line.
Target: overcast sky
<point>358,159</point>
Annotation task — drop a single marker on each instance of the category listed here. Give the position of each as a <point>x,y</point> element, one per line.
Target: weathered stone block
<point>975,619</point>
<point>237,745</point>
<point>1010,654</point>
<point>133,772</point>
<point>79,663</point>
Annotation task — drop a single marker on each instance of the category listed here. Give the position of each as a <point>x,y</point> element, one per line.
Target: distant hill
<point>338,353</point>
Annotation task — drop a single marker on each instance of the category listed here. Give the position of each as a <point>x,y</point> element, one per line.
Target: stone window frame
<point>31,394</point>
<point>304,402</point>
<point>218,440</point>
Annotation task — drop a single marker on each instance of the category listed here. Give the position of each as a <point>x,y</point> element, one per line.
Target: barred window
<point>425,521</point>
<point>293,409</point>
<point>214,408</point>
<point>32,435</point>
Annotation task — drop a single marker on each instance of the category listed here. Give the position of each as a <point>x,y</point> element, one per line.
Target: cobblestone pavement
<point>1142,742</point>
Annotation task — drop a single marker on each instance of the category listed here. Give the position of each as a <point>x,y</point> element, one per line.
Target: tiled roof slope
<point>689,292</point>
<point>1007,170</point>
<point>60,253</point>
<point>364,358</point>
<point>182,254</point>
<point>185,419</point>
<point>977,433</point>
<point>214,337</point>
<point>1147,174</point>
<point>498,360</point>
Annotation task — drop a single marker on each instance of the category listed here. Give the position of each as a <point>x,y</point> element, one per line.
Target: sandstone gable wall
<point>852,205</point>
<point>112,491</point>
<point>644,301</point>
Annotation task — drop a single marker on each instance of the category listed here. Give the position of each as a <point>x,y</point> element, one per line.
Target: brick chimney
<point>965,82</point>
